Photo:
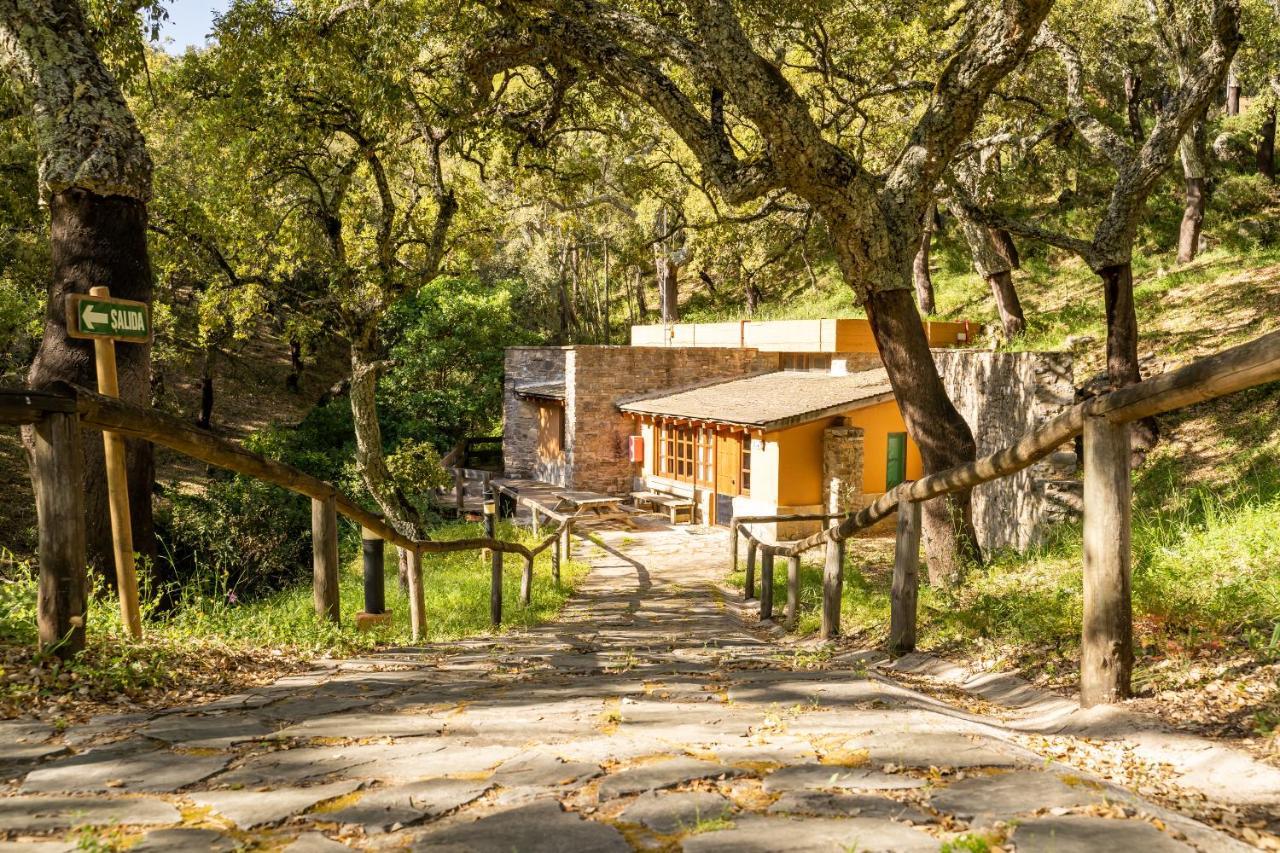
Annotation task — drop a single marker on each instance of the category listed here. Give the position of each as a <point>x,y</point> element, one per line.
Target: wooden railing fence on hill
<point>57,417</point>
<point>1107,629</point>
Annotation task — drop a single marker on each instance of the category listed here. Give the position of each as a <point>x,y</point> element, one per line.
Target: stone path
<point>646,718</point>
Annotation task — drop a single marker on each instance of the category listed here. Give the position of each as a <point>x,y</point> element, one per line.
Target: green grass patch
<point>212,631</point>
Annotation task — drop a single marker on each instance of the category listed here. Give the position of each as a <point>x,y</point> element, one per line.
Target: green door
<point>896,470</point>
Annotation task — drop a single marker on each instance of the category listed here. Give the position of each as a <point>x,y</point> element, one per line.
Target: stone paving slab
<point>540,769</point>
<point>801,835</point>
<point>1006,795</point>
<point>540,827</point>
<point>250,809</point>
<point>43,814</point>
<point>128,766</point>
<point>667,814</point>
<point>207,732</point>
<point>315,842</point>
<point>926,749</point>
<point>366,724</point>
<point>662,774</point>
<point>23,742</point>
<point>1075,834</point>
<point>834,777</point>
<point>388,809</point>
<point>824,804</point>
<point>183,839</point>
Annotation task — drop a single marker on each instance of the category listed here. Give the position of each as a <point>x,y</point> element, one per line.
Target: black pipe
<point>375,593</point>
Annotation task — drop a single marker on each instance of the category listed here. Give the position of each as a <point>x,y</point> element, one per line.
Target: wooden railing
<point>1107,632</point>
<point>57,417</point>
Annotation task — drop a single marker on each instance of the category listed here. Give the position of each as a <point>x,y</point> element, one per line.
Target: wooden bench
<point>672,504</point>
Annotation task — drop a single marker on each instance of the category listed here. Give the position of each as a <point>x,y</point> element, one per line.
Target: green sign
<point>102,317</point>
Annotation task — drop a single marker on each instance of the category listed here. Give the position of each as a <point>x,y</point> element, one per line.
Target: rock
<point>248,809</point>
<point>184,839</point>
<point>315,842</point>
<point>1074,834</point>
<point>829,776</point>
<point>540,769</point>
<point>42,814</point>
<point>666,814</point>
<point>540,827</point>
<point>127,766</point>
<point>823,804</point>
<point>984,799</point>
<point>663,774</point>
<point>381,810</point>
<point>206,732</point>
<point>801,835</point>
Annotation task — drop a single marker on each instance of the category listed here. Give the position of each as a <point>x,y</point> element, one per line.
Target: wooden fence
<point>1107,630</point>
<point>57,417</point>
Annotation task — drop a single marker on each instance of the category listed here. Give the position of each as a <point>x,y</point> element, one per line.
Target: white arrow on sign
<point>92,319</point>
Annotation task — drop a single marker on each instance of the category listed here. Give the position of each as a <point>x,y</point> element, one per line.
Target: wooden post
<point>793,591</point>
<point>906,579</point>
<point>733,545</point>
<point>568,540</point>
<point>1106,645</point>
<point>555,560</point>
<point>766,583</point>
<point>832,588</point>
<point>104,351</point>
<point>526,581</point>
<point>495,588</point>
<point>324,557</point>
<point>749,584</point>
<point>59,487</point>
<point>417,600</point>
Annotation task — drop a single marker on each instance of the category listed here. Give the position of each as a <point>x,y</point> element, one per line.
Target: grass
<point>210,639</point>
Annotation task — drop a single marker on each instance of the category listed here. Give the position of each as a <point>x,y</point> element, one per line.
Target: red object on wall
<point>636,448</point>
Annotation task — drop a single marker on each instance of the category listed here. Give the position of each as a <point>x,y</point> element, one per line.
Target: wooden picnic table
<point>592,504</point>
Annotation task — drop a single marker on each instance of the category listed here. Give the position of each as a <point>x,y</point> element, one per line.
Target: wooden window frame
<point>744,474</point>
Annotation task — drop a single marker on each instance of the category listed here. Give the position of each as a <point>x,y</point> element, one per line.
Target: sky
<point>189,22</point>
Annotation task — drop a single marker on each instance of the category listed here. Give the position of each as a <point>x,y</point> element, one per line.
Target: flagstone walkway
<point>646,718</point>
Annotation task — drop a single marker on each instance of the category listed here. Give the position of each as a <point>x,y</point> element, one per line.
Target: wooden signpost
<point>104,320</point>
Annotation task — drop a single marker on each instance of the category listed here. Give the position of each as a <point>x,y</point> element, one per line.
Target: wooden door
<point>728,475</point>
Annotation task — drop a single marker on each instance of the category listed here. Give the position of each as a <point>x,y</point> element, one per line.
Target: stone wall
<point>597,378</point>
<point>600,377</point>
<point>842,468</point>
<point>1002,396</point>
<point>523,366</point>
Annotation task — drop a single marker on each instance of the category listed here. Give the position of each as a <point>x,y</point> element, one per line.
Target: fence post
<point>766,583</point>
<point>793,591</point>
<point>417,598</point>
<point>459,489</point>
<point>555,560</point>
<point>749,584</point>
<point>59,487</point>
<point>372,550</point>
<point>832,588</point>
<point>324,556</point>
<point>1106,645</point>
<point>568,540</point>
<point>495,556</point>
<point>526,581</point>
<point>733,546</point>
<point>906,579</point>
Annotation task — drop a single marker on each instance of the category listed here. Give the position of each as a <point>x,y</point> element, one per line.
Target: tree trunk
<point>1233,92</point>
<point>1191,150</point>
<point>752,292</point>
<point>370,459</point>
<point>920,266</point>
<point>294,378</point>
<point>1008,305</point>
<point>1006,247</point>
<point>944,438</point>
<point>1266,155</point>
<point>96,174</point>
<point>101,240</point>
<point>1132,102</point>
<point>642,306</point>
<point>993,265</point>
<point>206,388</point>
<point>1122,349</point>
<point>668,288</point>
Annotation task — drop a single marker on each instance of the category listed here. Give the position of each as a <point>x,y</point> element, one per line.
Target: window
<point>896,464</point>
<point>706,457</point>
<point>683,454</point>
<point>806,362</point>
<point>746,466</point>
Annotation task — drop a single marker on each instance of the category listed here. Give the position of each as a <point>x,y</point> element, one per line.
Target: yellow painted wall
<point>800,462</point>
<point>876,423</point>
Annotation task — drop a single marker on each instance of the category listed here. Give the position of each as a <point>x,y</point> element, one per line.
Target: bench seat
<point>673,504</point>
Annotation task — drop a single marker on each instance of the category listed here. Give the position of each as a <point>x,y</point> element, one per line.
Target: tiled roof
<point>770,400</point>
<point>549,390</point>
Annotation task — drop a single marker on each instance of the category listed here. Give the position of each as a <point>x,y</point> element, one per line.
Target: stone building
<point>788,417</point>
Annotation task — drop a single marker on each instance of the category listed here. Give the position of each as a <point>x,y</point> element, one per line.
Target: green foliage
<point>416,468</point>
